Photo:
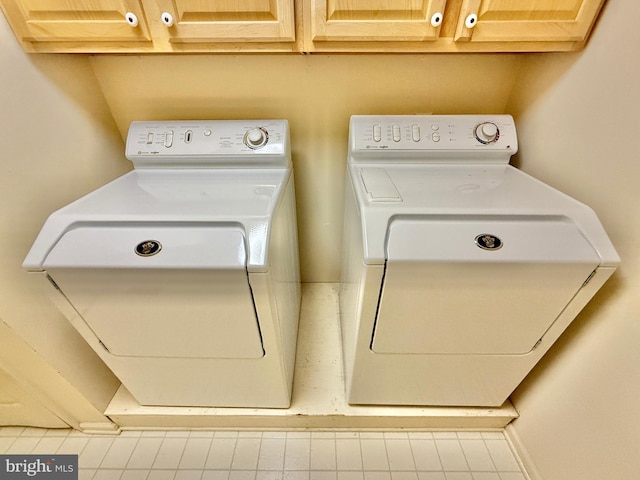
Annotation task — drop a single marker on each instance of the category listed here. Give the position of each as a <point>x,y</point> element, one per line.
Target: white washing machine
<point>459,270</point>
<point>183,274</point>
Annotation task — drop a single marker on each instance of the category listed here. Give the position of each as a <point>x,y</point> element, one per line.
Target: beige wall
<point>579,130</point>
<point>58,142</point>
<point>317,94</point>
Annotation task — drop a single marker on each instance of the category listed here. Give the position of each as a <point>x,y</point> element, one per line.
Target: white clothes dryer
<point>459,270</point>
<point>183,274</point>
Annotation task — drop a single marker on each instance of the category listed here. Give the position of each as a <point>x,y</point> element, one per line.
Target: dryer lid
<point>169,245</point>
<point>247,198</point>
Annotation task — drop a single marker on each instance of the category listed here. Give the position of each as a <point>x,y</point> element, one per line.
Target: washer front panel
<point>444,295</point>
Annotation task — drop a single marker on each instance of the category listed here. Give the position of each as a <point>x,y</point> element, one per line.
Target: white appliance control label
<point>426,135</point>
<point>234,140</point>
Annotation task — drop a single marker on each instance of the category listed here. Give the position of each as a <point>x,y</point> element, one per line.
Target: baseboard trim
<point>527,464</point>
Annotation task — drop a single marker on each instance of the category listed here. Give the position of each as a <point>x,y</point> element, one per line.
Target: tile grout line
<point>484,442</point>
<point>131,454</point>
<point>280,473</point>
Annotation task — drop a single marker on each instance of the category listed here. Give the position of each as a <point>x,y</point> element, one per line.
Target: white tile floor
<point>293,455</point>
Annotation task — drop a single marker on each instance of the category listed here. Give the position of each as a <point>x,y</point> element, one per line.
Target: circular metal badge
<point>486,241</point>
<point>148,248</point>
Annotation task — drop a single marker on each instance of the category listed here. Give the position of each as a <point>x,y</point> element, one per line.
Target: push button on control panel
<point>168,139</point>
<point>415,132</point>
<point>396,133</point>
<point>377,133</point>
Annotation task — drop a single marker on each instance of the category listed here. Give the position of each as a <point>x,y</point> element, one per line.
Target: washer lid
<point>488,239</point>
<point>463,191</point>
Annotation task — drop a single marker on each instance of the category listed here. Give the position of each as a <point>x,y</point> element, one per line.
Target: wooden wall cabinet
<point>527,21</point>
<point>116,26</point>
<point>448,25</point>
<point>78,25</point>
<point>375,20</point>
<point>227,25</point>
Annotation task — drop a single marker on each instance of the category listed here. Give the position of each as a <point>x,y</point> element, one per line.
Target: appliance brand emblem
<point>487,241</point>
<point>148,248</point>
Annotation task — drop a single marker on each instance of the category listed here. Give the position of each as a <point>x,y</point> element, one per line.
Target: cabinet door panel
<point>229,20</point>
<point>375,20</point>
<point>528,21</point>
<point>79,20</point>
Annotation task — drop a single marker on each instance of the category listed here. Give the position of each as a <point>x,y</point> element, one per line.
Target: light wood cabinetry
<point>301,25</point>
<point>42,25</point>
<point>375,20</point>
<point>535,21</point>
<point>223,24</point>
<point>448,25</point>
<point>153,25</point>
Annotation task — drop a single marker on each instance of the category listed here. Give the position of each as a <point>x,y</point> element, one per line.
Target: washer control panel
<point>208,142</point>
<point>433,136</point>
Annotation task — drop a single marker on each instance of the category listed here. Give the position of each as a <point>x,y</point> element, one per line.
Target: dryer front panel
<point>477,285</point>
<point>166,313</point>
<point>188,298</point>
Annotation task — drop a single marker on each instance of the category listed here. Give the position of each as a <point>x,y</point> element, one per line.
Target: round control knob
<point>256,138</point>
<point>487,132</point>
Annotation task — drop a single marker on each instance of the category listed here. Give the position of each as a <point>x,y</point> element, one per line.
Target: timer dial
<point>256,138</point>
<point>487,132</point>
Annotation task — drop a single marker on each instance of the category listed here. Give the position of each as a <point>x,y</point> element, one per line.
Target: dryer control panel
<point>433,137</point>
<point>209,143</point>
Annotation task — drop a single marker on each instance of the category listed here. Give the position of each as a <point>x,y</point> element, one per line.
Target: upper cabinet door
<point>183,22</point>
<point>43,25</point>
<point>376,20</point>
<point>526,20</point>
